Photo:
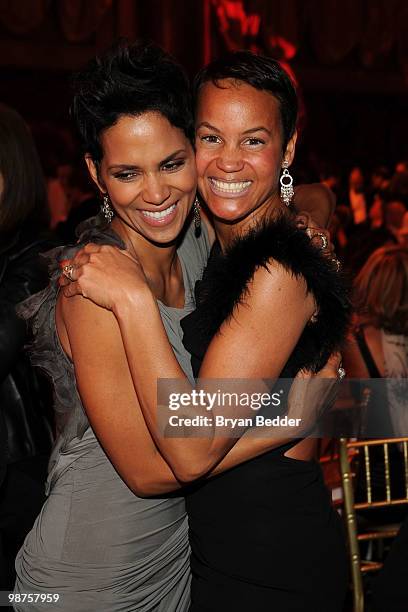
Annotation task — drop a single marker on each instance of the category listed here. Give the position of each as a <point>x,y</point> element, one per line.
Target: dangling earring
<point>286,181</point>
<point>106,208</point>
<point>197,216</point>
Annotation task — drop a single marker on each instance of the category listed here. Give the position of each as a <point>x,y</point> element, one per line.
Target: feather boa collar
<point>226,280</point>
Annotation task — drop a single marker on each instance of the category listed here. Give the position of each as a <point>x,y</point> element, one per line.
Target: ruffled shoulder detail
<point>225,284</point>
<point>44,348</point>
<point>94,230</point>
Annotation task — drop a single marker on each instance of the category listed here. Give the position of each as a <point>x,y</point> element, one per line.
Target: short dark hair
<point>260,72</point>
<point>24,195</point>
<point>129,79</point>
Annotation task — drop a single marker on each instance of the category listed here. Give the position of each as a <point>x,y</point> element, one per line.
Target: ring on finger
<point>336,263</point>
<point>68,271</point>
<point>323,238</point>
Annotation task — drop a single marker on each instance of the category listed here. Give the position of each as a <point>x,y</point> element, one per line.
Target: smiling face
<point>239,150</point>
<point>149,172</point>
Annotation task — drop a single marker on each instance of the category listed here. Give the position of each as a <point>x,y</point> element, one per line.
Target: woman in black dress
<point>264,535</point>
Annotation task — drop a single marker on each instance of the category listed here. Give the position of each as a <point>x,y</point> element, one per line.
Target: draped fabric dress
<point>95,543</point>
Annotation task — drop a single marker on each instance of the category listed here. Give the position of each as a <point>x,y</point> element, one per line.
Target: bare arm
<point>277,302</point>
<point>90,336</point>
<point>107,263</point>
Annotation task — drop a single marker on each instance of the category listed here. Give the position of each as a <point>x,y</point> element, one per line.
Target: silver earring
<point>106,208</point>
<point>286,181</point>
<point>197,216</point>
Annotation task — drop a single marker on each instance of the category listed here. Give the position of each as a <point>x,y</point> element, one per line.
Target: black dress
<point>264,535</point>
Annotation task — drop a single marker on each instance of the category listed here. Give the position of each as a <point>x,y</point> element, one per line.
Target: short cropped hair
<point>263,73</point>
<point>129,79</point>
<point>24,195</point>
<point>381,290</point>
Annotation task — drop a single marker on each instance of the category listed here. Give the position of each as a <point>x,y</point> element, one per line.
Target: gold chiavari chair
<point>348,450</point>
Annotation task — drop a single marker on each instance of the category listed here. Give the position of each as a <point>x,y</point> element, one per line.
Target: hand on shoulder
<point>104,274</point>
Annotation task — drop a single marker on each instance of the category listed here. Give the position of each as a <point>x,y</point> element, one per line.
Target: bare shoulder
<point>274,280</point>
<point>84,328</point>
<point>268,320</point>
<point>80,308</point>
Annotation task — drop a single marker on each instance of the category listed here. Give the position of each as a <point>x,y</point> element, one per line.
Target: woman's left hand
<point>311,395</point>
<point>319,236</point>
<point>104,274</point>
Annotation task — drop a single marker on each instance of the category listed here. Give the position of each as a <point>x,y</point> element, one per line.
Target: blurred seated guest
<point>398,187</point>
<point>376,211</point>
<point>379,181</point>
<point>380,349</point>
<point>57,201</point>
<point>376,232</point>
<point>394,212</point>
<point>329,175</point>
<point>382,316</point>
<point>356,198</point>
<point>339,224</point>
<point>378,346</point>
<point>83,203</point>
<point>403,232</point>
<point>25,432</point>
<point>55,151</point>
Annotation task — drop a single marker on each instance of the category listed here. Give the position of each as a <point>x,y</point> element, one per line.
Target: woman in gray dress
<point>99,543</point>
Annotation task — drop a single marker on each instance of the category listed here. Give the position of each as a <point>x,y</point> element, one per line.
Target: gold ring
<point>323,238</point>
<point>68,271</point>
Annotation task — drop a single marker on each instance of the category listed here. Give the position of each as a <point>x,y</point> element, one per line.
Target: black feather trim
<point>226,280</point>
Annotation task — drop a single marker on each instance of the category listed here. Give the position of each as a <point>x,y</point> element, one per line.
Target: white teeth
<point>161,214</point>
<point>230,187</point>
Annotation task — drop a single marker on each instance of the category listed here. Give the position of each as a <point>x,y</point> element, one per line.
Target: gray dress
<point>95,543</point>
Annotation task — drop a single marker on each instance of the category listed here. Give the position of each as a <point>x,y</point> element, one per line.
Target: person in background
<point>379,349</point>
<point>378,346</point>
<point>338,227</point>
<point>380,229</point>
<point>329,175</point>
<point>83,203</point>
<point>394,212</point>
<point>379,181</point>
<point>403,232</point>
<point>25,432</point>
<point>382,315</point>
<point>356,196</point>
<point>56,151</point>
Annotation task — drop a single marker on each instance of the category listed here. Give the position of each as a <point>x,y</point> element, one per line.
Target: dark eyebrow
<point>121,167</point>
<point>172,156</point>
<point>257,129</point>
<point>207,125</point>
<point>250,131</point>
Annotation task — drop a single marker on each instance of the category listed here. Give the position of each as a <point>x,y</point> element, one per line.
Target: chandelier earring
<point>106,208</point>
<point>197,216</point>
<point>286,182</point>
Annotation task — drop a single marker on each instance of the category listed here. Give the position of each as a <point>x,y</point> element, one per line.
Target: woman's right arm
<point>277,302</point>
<point>91,337</point>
